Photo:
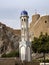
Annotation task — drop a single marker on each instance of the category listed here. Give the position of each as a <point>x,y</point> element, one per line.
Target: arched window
<point>22,19</point>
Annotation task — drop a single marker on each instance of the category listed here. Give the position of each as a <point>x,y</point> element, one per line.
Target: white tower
<point>24,45</point>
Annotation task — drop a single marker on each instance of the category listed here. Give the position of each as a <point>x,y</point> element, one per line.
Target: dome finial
<point>24,13</point>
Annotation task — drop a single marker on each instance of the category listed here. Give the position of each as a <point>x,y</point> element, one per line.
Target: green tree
<point>41,44</point>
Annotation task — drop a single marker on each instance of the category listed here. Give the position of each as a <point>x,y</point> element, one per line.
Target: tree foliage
<point>11,54</point>
<point>41,44</point>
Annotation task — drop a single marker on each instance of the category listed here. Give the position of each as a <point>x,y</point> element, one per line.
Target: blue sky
<point>10,10</point>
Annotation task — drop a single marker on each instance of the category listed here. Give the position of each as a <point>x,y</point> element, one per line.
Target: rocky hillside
<point>9,39</point>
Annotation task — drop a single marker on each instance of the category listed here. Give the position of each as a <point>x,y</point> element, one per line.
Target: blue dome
<point>24,13</point>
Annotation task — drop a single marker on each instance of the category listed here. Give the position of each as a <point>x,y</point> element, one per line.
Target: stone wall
<point>40,25</point>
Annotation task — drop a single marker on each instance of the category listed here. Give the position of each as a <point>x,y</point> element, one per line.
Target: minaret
<point>24,45</point>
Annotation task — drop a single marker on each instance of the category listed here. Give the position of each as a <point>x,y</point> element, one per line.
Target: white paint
<point>22,39</point>
<point>22,53</point>
<point>43,63</point>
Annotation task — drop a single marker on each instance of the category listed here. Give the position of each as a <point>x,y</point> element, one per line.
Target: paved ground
<point>15,61</point>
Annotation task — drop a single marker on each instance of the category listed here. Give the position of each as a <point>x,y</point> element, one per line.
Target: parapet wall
<point>35,18</point>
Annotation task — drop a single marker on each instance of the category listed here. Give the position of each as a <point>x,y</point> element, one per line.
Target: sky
<point>10,10</point>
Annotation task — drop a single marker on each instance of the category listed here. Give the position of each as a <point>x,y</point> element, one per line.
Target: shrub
<point>11,54</point>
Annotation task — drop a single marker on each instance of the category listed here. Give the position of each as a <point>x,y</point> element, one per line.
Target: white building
<point>24,45</point>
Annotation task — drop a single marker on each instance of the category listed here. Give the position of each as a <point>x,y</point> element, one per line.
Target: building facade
<point>39,24</point>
